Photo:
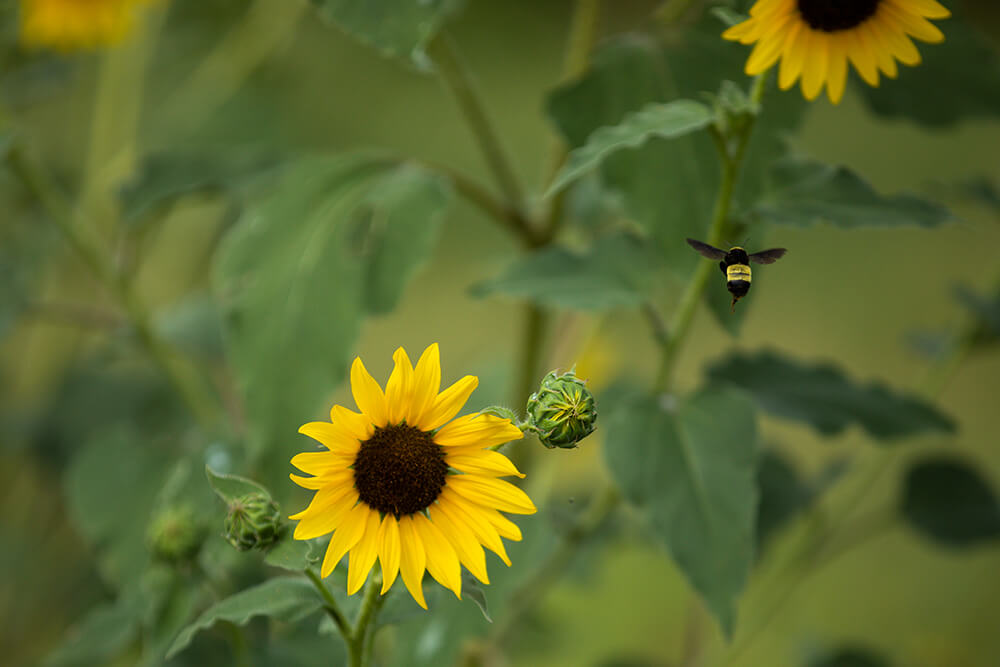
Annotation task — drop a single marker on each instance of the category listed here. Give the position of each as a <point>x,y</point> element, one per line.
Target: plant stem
<point>533,588</point>
<point>332,608</point>
<point>370,606</point>
<point>732,159</point>
<point>84,242</point>
<point>457,79</point>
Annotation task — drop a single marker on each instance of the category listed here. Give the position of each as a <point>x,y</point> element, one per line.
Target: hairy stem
<point>331,606</point>
<point>370,606</point>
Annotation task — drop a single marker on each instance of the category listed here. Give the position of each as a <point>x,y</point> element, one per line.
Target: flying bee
<point>735,265</point>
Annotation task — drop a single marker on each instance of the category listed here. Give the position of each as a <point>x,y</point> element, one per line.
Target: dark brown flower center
<point>400,470</point>
<point>834,15</point>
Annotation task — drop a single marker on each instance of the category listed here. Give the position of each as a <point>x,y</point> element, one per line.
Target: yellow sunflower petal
<point>442,561</point>
<point>505,527</point>
<point>368,394</point>
<point>483,430</point>
<point>836,78</point>
<point>318,463</point>
<point>900,45</point>
<point>412,560</point>
<point>363,554</point>
<point>426,383</point>
<point>312,483</point>
<point>862,58</point>
<point>345,537</point>
<point>793,56</point>
<point>470,554</point>
<point>913,24</point>
<point>482,462</point>
<point>397,390</point>
<point>497,493</point>
<point>323,499</point>
<point>741,32</point>
<point>358,426</point>
<point>764,54</point>
<point>883,54</point>
<point>466,515</point>
<point>814,69</point>
<point>927,8</point>
<point>388,551</point>
<point>448,403</point>
<point>334,438</point>
<point>321,523</point>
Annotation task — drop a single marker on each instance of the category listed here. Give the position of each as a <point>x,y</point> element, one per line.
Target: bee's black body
<point>735,265</point>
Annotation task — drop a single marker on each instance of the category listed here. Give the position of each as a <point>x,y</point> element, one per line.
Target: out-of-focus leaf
<point>850,656</point>
<point>232,487</point>
<point>617,271</point>
<point>194,326</point>
<point>399,28</point>
<point>690,470</point>
<point>962,71</point>
<point>112,487</point>
<point>667,121</point>
<point>984,191</point>
<point>785,494</point>
<point>948,501</point>
<point>823,397</point>
<point>808,193</point>
<point>283,598</point>
<point>171,602</point>
<point>669,185</point>
<point>162,178</point>
<point>986,310</point>
<point>291,554</point>
<point>294,275</point>
<point>472,589</point>
<point>101,635</point>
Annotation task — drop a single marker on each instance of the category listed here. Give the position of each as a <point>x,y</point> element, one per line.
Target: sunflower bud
<point>562,412</point>
<point>253,522</point>
<point>176,535</point>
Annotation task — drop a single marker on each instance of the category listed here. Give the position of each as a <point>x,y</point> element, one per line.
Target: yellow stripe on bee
<point>738,272</point>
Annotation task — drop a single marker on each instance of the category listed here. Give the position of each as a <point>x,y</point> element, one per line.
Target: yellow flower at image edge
<point>69,25</point>
<point>815,39</point>
<point>404,482</point>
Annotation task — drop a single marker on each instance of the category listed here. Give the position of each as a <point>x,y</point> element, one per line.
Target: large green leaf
<point>395,27</point>
<point>616,271</point>
<point>669,185</point>
<point>785,493</point>
<point>303,266</point>
<point>806,193</point>
<point>689,468</point>
<point>230,488</point>
<point>100,635</point>
<point>948,501</point>
<point>956,80</point>
<point>823,397</point>
<point>667,121</point>
<point>986,310</point>
<point>283,598</point>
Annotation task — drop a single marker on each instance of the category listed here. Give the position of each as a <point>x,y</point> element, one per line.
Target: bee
<point>735,265</point>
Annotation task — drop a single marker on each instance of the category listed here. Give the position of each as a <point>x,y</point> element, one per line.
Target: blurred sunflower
<point>403,482</point>
<point>816,38</point>
<point>71,25</point>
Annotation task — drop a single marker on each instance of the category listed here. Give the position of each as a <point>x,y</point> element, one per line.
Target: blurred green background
<point>854,297</point>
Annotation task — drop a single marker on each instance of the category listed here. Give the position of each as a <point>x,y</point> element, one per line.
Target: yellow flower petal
<point>913,24</point>
<point>466,515</point>
<point>320,523</point>
<point>481,462</point>
<point>794,56</point>
<point>836,78</point>
<point>470,554</point>
<point>448,403</point>
<point>927,8</point>
<point>333,437</point>
<point>363,554</point>
<point>861,57</point>
<point>442,561</point>
<point>483,430</point>
<point>323,499</point>
<point>318,463</point>
<point>814,69</point>
<point>368,394</point>
<point>426,383</point>
<point>388,550</point>
<point>412,560</point>
<point>358,426</point>
<point>497,493</point>
<point>399,387</point>
<point>350,531</point>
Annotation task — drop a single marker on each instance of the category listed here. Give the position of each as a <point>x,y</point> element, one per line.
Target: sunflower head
<point>815,39</point>
<point>562,411</point>
<point>405,482</point>
<point>73,25</point>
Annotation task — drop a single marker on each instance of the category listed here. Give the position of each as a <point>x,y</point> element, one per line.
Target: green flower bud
<point>562,412</point>
<point>176,535</point>
<point>253,522</point>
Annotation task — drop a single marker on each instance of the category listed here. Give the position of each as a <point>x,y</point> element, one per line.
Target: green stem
<point>534,587</point>
<point>370,606</point>
<point>332,608</point>
<point>458,80</point>
<point>732,159</point>
<point>88,247</point>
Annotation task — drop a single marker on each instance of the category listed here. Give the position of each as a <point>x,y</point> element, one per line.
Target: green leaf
<point>99,636</point>
<point>113,486</point>
<point>194,326</point>
<point>986,311</point>
<point>669,186</point>
<point>399,28</point>
<point>962,72</point>
<point>670,120</point>
<point>284,598</point>
<point>850,656</point>
<point>948,501</point>
<point>823,397</point>
<point>784,493</point>
<point>291,554</point>
<point>298,271</point>
<point>808,193</point>
<point>616,271</point>
<point>232,487</point>
<point>474,591</point>
<point>689,468</point>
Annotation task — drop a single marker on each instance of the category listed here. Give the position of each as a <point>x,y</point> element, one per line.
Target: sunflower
<point>816,38</point>
<point>404,482</point>
<point>70,25</point>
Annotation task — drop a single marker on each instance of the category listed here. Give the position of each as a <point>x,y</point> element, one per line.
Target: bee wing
<point>706,250</point>
<point>768,256</point>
